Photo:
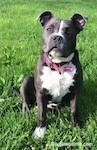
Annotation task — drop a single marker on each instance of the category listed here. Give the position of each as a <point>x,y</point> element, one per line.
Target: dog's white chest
<point>58,84</point>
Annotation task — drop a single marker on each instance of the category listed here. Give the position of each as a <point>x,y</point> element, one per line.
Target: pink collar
<point>56,66</point>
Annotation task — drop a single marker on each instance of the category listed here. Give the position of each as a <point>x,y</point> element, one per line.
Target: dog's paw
<point>39,132</point>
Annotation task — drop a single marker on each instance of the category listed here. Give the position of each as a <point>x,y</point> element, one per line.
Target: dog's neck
<point>56,66</point>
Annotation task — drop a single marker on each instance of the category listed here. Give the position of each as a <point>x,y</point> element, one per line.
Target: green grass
<point>20,44</point>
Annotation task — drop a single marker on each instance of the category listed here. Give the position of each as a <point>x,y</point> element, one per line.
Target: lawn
<point>20,44</point>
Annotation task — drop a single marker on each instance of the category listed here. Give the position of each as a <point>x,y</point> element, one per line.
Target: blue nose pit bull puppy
<point>58,75</point>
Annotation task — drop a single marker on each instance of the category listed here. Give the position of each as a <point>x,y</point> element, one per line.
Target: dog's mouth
<point>54,52</point>
<point>54,48</point>
<point>56,56</point>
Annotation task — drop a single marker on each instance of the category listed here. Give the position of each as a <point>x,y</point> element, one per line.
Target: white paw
<point>39,132</point>
<point>52,105</point>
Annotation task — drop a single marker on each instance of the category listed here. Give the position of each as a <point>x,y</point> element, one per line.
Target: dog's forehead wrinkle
<point>53,21</point>
<point>58,22</point>
<point>67,23</point>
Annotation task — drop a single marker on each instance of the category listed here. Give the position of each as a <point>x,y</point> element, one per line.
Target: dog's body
<point>58,74</point>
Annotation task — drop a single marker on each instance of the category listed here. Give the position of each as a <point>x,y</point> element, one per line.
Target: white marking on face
<point>58,84</point>
<point>39,132</point>
<point>60,28</point>
<point>59,33</point>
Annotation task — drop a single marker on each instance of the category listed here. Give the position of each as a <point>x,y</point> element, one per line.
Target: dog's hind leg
<point>27,92</point>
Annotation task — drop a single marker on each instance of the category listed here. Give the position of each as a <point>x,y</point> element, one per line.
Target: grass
<point>20,44</point>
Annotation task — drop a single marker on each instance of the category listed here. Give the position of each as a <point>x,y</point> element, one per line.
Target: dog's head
<point>59,36</point>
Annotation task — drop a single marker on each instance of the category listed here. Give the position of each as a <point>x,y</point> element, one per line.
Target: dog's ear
<point>45,17</point>
<point>79,21</point>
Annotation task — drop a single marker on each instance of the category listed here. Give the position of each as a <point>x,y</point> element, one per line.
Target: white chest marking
<point>58,84</point>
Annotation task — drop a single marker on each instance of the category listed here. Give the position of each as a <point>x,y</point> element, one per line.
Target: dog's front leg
<point>74,110</point>
<point>42,109</point>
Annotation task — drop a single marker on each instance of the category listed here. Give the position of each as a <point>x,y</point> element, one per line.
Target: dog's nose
<point>58,38</point>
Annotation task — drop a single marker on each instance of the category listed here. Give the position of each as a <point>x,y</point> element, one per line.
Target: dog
<point>58,76</point>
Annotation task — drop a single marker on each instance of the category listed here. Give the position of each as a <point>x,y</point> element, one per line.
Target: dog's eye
<point>67,30</point>
<point>49,29</point>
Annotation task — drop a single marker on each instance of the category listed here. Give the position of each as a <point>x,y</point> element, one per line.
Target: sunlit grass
<point>20,45</point>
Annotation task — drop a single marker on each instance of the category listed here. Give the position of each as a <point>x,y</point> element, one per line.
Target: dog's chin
<point>57,57</point>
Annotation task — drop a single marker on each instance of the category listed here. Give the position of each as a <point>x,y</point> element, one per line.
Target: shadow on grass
<point>88,102</point>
